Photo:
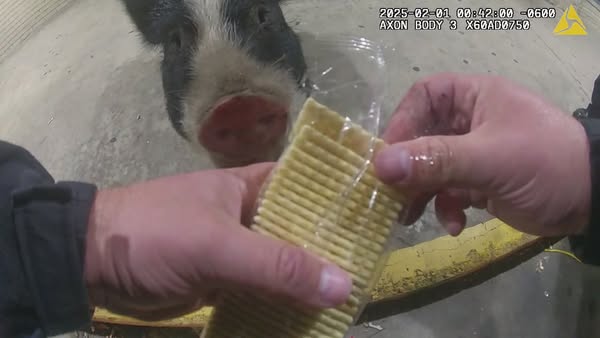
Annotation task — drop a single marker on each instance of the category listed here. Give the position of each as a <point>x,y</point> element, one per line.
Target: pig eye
<point>175,39</point>
<point>263,14</point>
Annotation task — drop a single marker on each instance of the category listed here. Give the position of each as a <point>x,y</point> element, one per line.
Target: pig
<point>233,73</point>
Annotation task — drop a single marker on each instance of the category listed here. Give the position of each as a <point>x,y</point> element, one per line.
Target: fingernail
<point>454,228</point>
<point>335,286</point>
<point>393,163</point>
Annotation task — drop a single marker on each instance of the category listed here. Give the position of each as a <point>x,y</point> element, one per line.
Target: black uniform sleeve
<point>42,237</point>
<point>587,245</point>
<point>596,94</point>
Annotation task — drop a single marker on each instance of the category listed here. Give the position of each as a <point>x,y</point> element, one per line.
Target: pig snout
<point>236,107</point>
<point>233,73</point>
<point>246,128</point>
<point>247,72</point>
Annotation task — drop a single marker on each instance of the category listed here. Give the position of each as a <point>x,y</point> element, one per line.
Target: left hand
<point>487,142</point>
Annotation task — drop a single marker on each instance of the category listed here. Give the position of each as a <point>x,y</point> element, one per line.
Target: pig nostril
<point>244,125</point>
<point>267,120</point>
<point>224,134</point>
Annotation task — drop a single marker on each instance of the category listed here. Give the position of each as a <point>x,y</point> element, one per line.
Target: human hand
<point>482,141</point>
<point>166,247</point>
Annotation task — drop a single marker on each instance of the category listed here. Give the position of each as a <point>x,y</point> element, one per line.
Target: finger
<point>449,211</point>
<point>249,260</point>
<point>253,178</point>
<point>440,104</point>
<point>416,208</point>
<point>461,196</point>
<point>478,199</point>
<point>469,198</point>
<point>150,309</point>
<point>435,163</point>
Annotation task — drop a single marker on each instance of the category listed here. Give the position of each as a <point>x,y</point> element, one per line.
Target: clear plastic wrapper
<point>349,78</point>
<point>347,74</point>
<point>323,194</point>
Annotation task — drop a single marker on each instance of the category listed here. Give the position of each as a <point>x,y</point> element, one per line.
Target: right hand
<point>483,141</point>
<point>166,247</point>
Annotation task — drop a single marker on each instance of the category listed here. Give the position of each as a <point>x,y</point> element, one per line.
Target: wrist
<point>100,215</point>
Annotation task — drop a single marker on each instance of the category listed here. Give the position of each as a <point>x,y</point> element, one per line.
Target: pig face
<point>233,73</point>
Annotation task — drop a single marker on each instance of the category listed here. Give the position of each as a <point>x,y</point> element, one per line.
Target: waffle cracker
<point>325,197</point>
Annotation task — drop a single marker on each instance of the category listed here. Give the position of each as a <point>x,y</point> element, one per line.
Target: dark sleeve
<point>587,246</point>
<point>596,93</point>
<point>42,238</point>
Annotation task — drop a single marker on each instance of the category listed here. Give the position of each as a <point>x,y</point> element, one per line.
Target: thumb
<point>434,162</point>
<point>250,260</point>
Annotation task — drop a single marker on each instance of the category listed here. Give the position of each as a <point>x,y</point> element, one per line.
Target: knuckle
<point>438,164</point>
<point>290,267</point>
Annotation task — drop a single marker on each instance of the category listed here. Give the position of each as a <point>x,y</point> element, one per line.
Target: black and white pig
<point>233,72</point>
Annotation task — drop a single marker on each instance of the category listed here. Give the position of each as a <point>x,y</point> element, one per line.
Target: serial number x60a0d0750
<point>498,24</point>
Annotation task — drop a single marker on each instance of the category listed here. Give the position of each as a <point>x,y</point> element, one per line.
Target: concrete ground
<point>85,97</point>
<point>22,18</point>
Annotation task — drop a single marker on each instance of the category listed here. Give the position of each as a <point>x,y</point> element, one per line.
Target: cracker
<point>319,197</point>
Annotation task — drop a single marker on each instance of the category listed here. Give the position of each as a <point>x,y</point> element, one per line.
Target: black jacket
<point>42,232</point>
